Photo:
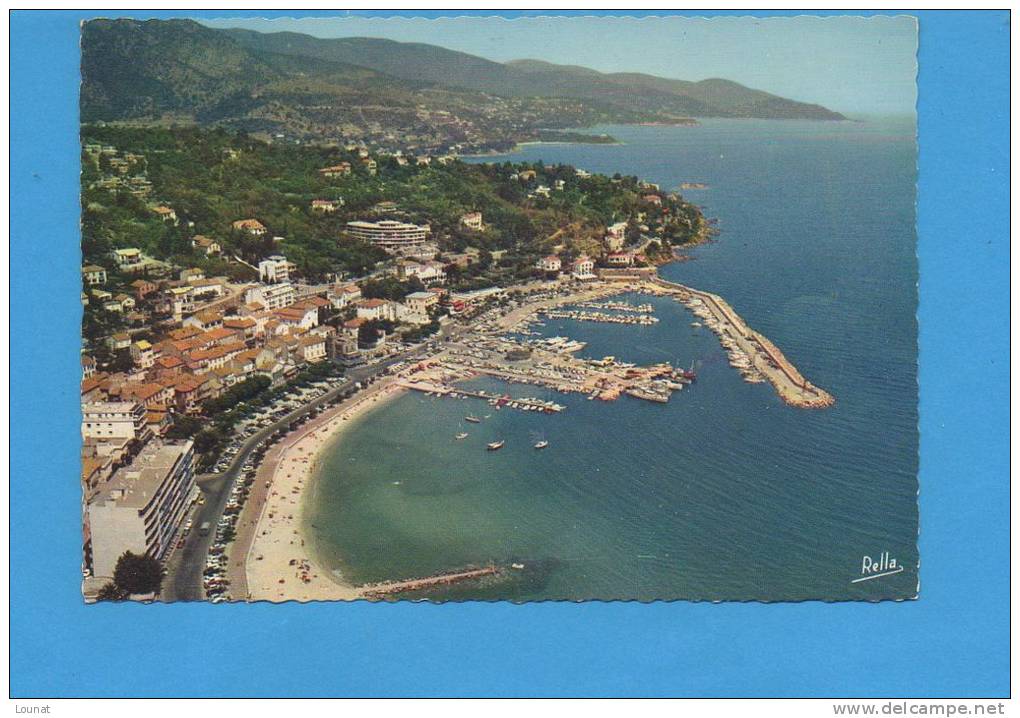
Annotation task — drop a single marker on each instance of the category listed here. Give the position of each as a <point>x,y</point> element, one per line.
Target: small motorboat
<point>542,444</point>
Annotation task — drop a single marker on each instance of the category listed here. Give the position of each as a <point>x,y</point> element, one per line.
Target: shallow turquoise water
<point>725,493</point>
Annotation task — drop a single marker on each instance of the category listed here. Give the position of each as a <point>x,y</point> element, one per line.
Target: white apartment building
<point>389,234</point>
<point>143,354</point>
<point>341,296</point>
<point>377,309</point>
<point>275,269</point>
<point>93,274</point>
<point>419,303</point>
<point>616,235</point>
<point>128,259</point>
<point>141,508</point>
<point>272,296</point>
<point>583,268</point>
<point>113,420</point>
<point>429,272</point>
<point>550,264</point>
<point>472,220</point>
<point>182,301</point>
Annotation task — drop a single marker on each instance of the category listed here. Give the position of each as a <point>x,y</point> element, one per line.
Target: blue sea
<point>724,493</point>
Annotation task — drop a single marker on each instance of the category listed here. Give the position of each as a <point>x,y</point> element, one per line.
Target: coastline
<point>518,146</point>
<point>276,559</point>
<point>280,562</point>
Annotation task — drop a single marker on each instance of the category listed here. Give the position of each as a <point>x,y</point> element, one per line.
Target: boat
<point>542,444</point>
<point>495,445</point>
<point>462,435</point>
<point>473,419</point>
<point>696,324</point>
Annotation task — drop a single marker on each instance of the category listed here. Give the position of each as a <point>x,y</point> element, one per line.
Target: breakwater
<point>750,352</point>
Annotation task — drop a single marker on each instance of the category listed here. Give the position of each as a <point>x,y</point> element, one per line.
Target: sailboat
<point>461,435</point>
<point>542,444</point>
<point>495,445</point>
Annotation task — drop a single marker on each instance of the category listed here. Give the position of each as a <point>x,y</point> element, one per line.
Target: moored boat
<point>473,419</point>
<point>462,435</point>
<point>495,445</point>
<point>542,444</point>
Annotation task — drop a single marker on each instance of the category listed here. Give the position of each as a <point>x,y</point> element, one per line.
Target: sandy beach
<point>280,565</point>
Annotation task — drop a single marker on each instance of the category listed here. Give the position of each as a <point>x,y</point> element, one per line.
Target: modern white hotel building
<point>389,234</point>
<point>141,508</point>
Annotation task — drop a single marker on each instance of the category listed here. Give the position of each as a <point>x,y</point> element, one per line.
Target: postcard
<point>553,308</point>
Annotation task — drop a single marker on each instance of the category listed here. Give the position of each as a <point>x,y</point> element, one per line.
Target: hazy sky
<point>849,64</point>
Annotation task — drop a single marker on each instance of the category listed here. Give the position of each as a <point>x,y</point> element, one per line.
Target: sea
<point>725,493</point>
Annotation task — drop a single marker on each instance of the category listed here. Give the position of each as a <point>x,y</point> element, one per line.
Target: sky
<point>854,65</point>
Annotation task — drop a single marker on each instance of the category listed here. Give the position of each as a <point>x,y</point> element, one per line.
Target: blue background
<point>953,641</point>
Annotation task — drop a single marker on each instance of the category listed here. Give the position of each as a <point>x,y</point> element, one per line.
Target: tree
<point>110,592</point>
<point>137,574</point>
<point>633,232</point>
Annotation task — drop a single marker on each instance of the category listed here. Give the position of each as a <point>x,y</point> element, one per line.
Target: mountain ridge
<point>377,91</point>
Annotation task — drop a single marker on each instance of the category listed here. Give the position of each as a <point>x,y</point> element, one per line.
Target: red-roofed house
<point>251,226</point>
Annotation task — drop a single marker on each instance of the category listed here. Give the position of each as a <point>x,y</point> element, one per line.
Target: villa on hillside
<point>251,226</point>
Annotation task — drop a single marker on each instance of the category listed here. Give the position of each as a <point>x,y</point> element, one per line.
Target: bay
<point>725,493</point>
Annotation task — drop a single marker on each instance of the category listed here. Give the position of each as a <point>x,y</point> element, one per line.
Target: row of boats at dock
<point>600,317</point>
<point>617,306</point>
<point>738,358</point>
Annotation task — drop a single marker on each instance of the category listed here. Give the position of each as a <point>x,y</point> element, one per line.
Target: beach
<point>274,560</point>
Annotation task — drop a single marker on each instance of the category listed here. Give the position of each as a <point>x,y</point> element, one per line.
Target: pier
<point>391,588</point>
<point>525,404</point>
<point>751,352</point>
<point>601,317</point>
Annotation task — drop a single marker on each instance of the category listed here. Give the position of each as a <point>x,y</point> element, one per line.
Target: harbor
<point>502,345</point>
<point>520,362</point>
